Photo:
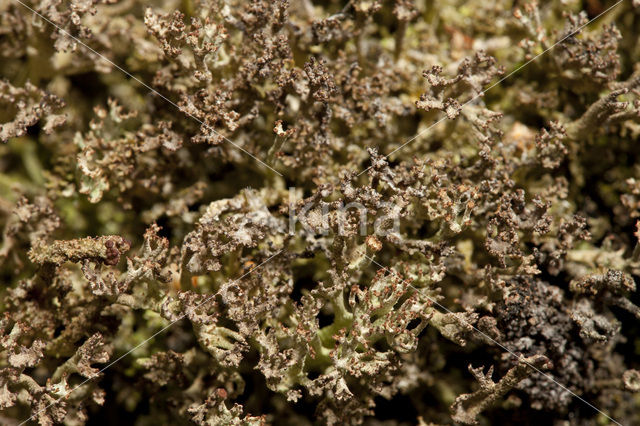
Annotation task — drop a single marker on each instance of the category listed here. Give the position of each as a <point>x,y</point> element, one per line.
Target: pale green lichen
<point>323,212</point>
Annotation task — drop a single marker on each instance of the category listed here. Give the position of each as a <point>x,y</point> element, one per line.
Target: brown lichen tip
<point>106,249</point>
<point>467,407</point>
<point>373,243</point>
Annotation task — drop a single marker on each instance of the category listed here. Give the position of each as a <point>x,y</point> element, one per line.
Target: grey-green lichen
<point>325,212</point>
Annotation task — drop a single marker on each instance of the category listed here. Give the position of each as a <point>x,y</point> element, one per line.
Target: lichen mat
<point>362,212</point>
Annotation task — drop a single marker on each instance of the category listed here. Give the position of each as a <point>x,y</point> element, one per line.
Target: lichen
<point>319,212</point>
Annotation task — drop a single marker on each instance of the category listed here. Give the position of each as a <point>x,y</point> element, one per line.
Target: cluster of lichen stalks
<point>504,292</point>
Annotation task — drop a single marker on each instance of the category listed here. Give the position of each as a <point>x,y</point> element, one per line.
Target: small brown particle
<point>373,243</point>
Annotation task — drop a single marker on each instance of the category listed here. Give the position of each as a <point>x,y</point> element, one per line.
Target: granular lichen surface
<point>301,212</point>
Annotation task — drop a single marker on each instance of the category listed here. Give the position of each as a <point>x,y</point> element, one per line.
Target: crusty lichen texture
<point>299,212</point>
